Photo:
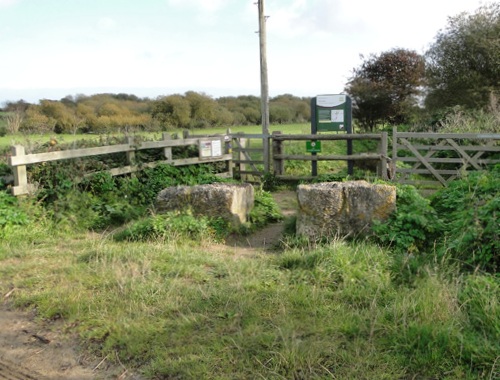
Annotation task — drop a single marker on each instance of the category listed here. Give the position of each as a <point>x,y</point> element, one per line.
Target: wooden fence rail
<point>279,157</point>
<point>435,159</point>
<point>210,149</point>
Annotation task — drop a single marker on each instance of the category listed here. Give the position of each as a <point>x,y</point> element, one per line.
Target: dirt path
<point>31,349</point>
<point>269,237</point>
<point>45,350</point>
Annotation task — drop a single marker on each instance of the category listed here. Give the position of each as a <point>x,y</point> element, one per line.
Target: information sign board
<point>210,148</point>
<point>332,113</point>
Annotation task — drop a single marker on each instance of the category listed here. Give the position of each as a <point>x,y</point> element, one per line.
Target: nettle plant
<point>415,225</point>
<point>459,223</point>
<point>11,215</point>
<point>470,209</point>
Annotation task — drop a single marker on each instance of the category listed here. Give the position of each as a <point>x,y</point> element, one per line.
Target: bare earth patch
<point>267,238</point>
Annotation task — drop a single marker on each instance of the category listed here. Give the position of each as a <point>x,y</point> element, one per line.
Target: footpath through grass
<point>196,310</point>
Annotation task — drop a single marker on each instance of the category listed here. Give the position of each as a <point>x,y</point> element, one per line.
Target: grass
<point>29,139</point>
<point>196,310</point>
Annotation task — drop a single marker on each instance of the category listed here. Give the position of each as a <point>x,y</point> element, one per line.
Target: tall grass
<point>189,310</point>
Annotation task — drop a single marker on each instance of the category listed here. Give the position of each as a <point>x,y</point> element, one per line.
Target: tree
<point>15,115</point>
<point>203,109</point>
<point>59,113</point>
<point>386,87</point>
<point>36,121</point>
<point>463,64</point>
<point>172,111</point>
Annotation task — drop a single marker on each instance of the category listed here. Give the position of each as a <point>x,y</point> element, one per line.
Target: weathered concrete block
<point>342,208</point>
<point>232,202</point>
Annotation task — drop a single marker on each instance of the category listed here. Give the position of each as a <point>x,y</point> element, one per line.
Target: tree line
<point>112,112</point>
<point>460,71</point>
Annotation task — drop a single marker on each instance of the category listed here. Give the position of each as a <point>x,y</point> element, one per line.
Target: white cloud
<point>203,5</point>
<point>7,3</point>
<point>106,23</point>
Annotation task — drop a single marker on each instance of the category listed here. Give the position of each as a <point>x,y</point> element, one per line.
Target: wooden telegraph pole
<point>264,85</point>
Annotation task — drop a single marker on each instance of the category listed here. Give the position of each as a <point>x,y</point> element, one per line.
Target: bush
<point>170,226</point>
<point>265,210</point>
<point>469,208</point>
<point>10,213</point>
<point>413,227</point>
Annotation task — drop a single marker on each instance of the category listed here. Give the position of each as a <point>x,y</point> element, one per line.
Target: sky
<point>53,48</point>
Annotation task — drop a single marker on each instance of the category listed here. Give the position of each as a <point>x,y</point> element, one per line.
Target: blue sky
<point>53,48</point>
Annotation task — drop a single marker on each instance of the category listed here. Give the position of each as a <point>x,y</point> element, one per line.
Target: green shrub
<point>169,226</point>
<point>54,180</point>
<point>149,182</point>
<point>413,227</point>
<point>99,183</point>
<point>265,210</point>
<point>469,208</point>
<point>10,213</point>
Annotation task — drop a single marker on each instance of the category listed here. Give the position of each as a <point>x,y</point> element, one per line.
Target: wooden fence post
<point>242,167</point>
<point>130,153</point>
<point>394,157</point>
<point>278,163</point>
<point>229,150</point>
<point>20,176</point>
<point>382,167</point>
<point>167,152</point>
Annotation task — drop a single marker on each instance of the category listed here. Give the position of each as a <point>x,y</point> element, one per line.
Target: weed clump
<point>459,223</point>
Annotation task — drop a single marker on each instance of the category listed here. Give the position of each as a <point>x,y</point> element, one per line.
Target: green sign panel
<point>313,146</point>
<point>332,113</point>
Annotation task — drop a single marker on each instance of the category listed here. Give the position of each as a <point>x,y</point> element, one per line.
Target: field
<point>29,139</point>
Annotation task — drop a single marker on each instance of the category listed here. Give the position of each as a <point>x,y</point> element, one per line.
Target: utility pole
<point>264,85</point>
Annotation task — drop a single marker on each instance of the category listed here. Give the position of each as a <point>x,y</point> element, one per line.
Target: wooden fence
<point>279,156</point>
<point>417,158</point>
<point>435,159</point>
<point>210,149</point>
<point>249,162</point>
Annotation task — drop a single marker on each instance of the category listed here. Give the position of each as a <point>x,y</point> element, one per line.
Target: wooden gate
<point>248,156</point>
<point>439,158</point>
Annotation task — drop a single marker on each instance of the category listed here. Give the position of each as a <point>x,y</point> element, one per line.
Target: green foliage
<point>169,226</point>
<point>413,227</point>
<point>459,223</point>
<point>469,209</point>
<point>480,297</point>
<point>172,112</point>
<point>265,210</point>
<point>100,200</point>
<point>459,120</point>
<point>11,214</point>
<point>463,63</point>
<point>99,183</point>
<point>149,182</point>
<point>270,182</point>
<point>54,180</point>
<point>385,87</point>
